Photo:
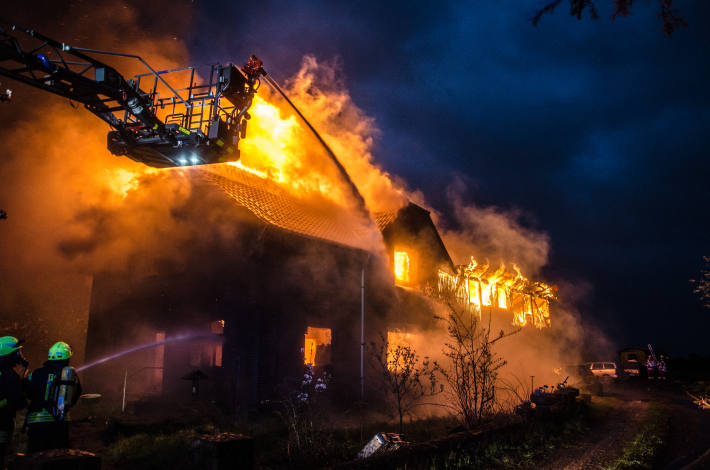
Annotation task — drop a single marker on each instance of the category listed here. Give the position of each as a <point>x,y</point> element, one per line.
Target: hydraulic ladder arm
<point>201,129</point>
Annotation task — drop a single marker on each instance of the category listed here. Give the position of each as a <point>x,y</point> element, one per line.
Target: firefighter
<point>53,389</point>
<point>13,368</point>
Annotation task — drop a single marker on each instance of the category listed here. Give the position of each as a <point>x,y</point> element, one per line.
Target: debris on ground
<point>382,442</point>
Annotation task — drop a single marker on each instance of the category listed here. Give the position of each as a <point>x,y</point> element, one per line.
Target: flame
<point>529,302</point>
<point>122,181</point>
<point>401,266</point>
<point>502,297</point>
<point>253,171</point>
<point>474,292</point>
<point>280,147</point>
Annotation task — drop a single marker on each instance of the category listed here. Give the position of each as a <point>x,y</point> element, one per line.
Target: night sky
<point>596,131</point>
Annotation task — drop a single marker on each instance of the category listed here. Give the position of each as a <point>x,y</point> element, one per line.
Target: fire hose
<point>358,197</point>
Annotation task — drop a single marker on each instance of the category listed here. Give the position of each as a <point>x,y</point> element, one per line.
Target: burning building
<point>300,280</point>
<point>299,285</point>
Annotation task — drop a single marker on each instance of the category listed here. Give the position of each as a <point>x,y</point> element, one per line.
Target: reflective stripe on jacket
<point>41,416</point>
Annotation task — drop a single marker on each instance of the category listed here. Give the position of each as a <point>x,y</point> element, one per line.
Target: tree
<point>472,374</point>
<point>668,14</point>
<point>702,285</point>
<point>406,380</point>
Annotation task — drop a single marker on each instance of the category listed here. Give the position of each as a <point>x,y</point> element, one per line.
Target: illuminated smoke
<point>74,209</point>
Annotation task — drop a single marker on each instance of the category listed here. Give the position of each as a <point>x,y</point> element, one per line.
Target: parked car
<point>603,369</point>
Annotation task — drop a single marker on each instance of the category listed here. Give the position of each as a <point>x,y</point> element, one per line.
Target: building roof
<point>383,219</point>
<point>416,221</point>
<point>314,217</point>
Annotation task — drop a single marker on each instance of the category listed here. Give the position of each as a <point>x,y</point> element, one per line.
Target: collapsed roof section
<point>481,287</point>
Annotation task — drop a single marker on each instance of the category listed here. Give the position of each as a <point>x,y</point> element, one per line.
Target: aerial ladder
<point>152,121</point>
<point>196,124</point>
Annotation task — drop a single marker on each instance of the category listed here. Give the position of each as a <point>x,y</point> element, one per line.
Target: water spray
<point>141,347</point>
<point>344,174</point>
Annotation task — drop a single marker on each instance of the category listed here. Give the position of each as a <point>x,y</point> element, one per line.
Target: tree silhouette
<point>668,14</point>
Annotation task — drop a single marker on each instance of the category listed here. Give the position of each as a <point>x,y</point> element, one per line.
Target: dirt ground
<point>688,447</point>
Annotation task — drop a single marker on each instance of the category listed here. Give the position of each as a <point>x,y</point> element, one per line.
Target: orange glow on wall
<point>397,339</point>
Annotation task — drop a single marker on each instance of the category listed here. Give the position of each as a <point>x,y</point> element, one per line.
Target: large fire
<point>280,148</point>
<point>479,286</point>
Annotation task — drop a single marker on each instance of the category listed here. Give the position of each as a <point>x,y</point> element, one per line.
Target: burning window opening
<point>402,266</point>
<point>474,293</point>
<point>397,339</point>
<point>488,294</point>
<point>502,298</point>
<point>316,350</point>
<point>475,286</point>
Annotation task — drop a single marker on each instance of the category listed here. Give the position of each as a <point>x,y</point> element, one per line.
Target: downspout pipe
<point>362,329</point>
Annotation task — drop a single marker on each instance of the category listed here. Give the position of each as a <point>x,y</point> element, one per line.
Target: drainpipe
<point>123,398</point>
<point>362,330</point>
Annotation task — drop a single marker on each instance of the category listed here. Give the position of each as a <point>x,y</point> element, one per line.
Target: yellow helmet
<point>59,351</point>
<point>9,344</point>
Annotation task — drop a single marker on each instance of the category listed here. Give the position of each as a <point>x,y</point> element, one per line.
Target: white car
<point>603,369</point>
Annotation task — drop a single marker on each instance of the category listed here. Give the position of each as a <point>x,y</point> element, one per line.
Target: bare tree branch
<point>622,8</point>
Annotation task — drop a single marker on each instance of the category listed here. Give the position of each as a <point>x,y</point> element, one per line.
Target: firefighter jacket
<point>41,390</point>
<point>12,398</point>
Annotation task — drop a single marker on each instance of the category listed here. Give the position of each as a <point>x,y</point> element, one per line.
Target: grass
<point>643,450</point>
<point>520,446</point>
<point>145,451</point>
<point>514,445</point>
<point>150,450</point>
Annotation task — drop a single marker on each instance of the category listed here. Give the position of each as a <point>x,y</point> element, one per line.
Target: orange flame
<point>529,302</point>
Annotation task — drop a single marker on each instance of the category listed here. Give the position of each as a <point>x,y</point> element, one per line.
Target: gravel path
<point>604,442</point>
<point>688,446</point>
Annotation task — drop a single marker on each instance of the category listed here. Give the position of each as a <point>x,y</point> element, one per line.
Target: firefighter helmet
<point>9,344</point>
<point>60,351</point>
